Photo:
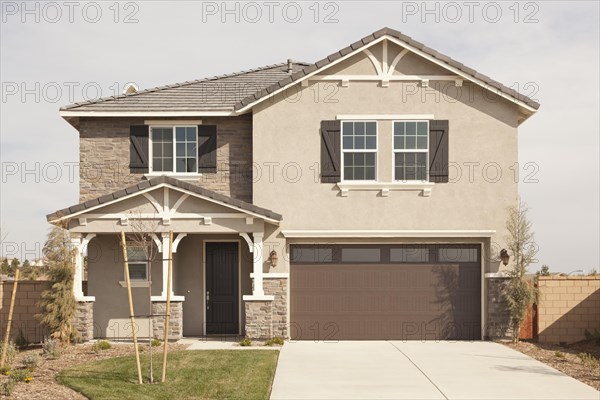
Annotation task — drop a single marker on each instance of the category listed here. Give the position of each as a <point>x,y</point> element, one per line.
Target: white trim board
<point>387,233</point>
<point>164,185</point>
<point>73,113</point>
<point>387,116</point>
<point>273,275</point>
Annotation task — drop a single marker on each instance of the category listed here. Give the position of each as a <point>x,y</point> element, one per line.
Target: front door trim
<point>240,304</point>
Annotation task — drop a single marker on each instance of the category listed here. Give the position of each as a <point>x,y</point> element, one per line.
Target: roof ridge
<point>179,84</point>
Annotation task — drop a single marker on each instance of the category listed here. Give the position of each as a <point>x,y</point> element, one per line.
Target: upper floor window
<point>411,148</point>
<point>359,150</point>
<point>174,149</point>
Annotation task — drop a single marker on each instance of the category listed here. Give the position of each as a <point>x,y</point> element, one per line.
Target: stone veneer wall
<point>175,322</point>
<point>104,157</point>
<point>83,321</point>
<point>268,319</point>
<point>498,315</point>
<point>568,306</point>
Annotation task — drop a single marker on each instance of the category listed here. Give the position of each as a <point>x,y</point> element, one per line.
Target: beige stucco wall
<point>483,134</point>
<point>111,308</point>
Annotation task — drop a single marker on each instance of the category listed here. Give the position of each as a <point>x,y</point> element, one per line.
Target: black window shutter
<point>207,148</point>
<point>438,151</point>
<point>138,149</point>
<point>330,151</point>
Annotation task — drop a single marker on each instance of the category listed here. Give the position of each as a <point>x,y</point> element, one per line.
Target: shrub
<point>51,348</point>
<point>246,342</point>
<point>11,351</point>
<point>7,387</point>
<point>517,292</point>
<point>31,361</point>
<point>21,340</point>
<point>155,342</point>
<point>102,345</point>
<point>275,341</point>
<point>21,375</point>
<point>559,354</point>
<point>57,304</point>
<point>5,370</point>
<point>589,360</point>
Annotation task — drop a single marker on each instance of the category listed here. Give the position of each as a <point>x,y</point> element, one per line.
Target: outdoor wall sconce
<point>504,256</point>
<point>273,258</point>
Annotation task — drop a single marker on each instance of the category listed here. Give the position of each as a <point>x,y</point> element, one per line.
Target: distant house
<point>314,201</point>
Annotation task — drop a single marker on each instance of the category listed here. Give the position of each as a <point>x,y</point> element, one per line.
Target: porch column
<point>258,264</point>
<point>165,263</point>
<point>163,248</point>
<point>79,244</point>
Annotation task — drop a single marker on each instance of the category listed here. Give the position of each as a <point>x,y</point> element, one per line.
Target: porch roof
<point>156,182</point>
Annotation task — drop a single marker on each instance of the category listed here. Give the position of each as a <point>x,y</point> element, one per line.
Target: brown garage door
<point>385,292</point>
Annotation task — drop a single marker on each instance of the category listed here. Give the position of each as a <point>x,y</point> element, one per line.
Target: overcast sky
<point>53,54</point>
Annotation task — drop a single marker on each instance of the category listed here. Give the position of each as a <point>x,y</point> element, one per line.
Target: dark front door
<point>222,315</point>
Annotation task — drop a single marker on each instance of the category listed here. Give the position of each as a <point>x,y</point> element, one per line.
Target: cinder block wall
<point>28,295</point>
<point>568,306</point>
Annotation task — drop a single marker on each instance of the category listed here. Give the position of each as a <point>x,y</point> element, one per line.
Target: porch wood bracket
<point>177,240</point>
<point>156,241</point>
<point>153,201</point>
<point>248,241</point>
<point>179,202</point>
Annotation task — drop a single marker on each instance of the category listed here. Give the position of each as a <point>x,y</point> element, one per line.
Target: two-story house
<point>360,197</point>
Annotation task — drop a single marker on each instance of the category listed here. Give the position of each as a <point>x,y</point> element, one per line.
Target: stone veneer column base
<point>498,315</point>
<point>266,319</point>
<point>175,322</point>
<point>83,321</point>
<point>259,319</point>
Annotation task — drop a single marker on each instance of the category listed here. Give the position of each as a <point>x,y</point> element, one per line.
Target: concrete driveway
<point>417,370</point>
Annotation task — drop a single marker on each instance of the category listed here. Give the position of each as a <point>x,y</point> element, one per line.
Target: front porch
<point>221,283</point>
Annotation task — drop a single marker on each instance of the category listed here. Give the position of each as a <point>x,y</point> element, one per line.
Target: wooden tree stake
<point>133,333</point>
<point>10,315</point>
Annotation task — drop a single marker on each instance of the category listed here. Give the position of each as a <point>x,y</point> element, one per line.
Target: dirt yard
<point>566,359</point>
<point>43,386</point>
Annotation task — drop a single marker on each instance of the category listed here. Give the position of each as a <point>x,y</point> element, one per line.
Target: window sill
<point>385,187</point>
<point>136,284</point>
<point>181,177</point>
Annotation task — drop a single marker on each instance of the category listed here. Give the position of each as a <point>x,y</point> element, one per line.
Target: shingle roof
<point>216,93</point>
<point>397,35</point>
<point>225,200</point>
<point>235,91</point>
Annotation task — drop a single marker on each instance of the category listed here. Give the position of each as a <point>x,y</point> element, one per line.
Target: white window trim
<point>394,151</point>
<point>137,282</point>
<point>173,173</point>
<point>359,151</point>
<point>385,187</point>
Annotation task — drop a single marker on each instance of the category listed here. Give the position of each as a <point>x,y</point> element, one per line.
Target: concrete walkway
<point>226,343</point>
<point>418,370</point>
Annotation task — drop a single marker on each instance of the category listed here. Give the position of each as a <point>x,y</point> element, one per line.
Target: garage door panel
<point>338,301</point>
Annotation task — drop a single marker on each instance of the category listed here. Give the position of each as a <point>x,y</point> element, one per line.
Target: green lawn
<point>203,374</point>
